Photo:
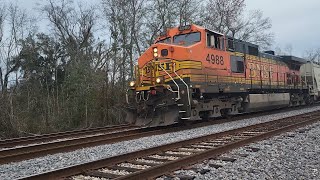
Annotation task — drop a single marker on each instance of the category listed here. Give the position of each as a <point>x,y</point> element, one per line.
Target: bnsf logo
<point>159,67</point>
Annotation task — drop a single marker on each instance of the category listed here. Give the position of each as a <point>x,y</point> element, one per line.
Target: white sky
<point>294,23</point>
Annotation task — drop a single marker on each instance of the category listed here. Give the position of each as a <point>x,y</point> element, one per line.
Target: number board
<point>215,59</point>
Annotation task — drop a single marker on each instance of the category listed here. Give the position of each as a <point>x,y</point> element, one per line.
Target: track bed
<point>154,162</point>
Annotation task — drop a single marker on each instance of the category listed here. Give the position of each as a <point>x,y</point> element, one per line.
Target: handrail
<point>174,70</point>
<point>172,80</point>
<point>127,96</point>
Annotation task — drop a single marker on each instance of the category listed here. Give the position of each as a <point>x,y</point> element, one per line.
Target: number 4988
<point>215,59</point>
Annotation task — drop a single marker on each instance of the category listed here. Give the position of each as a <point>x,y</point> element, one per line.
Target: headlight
<point>132,83</point>
<point>155,50</point>
<point>159,80</point>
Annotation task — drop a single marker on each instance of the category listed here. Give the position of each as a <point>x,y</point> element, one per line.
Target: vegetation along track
<point>119,134</point>
<point>156,161</point>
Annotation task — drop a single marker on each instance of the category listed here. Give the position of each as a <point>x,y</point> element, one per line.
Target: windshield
<point>187,39</point>
<point>166,40</point>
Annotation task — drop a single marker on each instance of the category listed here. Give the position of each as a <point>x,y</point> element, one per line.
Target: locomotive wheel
<point>225,113</point>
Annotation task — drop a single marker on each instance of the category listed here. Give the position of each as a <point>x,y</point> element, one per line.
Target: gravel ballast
<point>57,161</point>
<point>293,155</point>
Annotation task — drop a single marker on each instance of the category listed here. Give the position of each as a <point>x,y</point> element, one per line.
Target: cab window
<point>215,40</point>
<point>237,64</point>
<point>231,44</point>
<point>187,39</point>
<point>166,41</point>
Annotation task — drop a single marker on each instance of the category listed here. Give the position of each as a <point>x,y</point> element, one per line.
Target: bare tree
<point>229,17</point>
<point>2,21</point>
<point>219,15</point>
<point>161,15</point>
<point>189,11</point>
<point>255,28</point>
<point>18,25</point>
<point>72,26</point>
<point>125,20</point>
<point>136,15</point>
<point>14,25</point>
<point>313,55</point>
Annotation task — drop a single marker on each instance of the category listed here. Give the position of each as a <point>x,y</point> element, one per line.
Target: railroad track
<point>38,150</point>
<point>116,134</point>
<point>7,143</point>
<point>154,162</point>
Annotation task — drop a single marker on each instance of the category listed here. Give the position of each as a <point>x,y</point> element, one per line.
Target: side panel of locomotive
<point>251,81</point>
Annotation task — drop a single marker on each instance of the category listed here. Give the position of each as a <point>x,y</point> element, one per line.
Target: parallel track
<point>7,143</point>
<point>154,162</point>
<point>38,150</point>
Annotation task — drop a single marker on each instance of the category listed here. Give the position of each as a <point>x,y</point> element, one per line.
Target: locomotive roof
<point>214,31</point>
<point>293,58</point>
<point>270,56</point>
<point>286,59</point>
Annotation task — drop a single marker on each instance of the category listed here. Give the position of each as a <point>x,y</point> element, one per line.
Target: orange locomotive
<point>192,73</point>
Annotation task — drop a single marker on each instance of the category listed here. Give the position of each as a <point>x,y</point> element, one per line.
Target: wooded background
<point>74,74</point>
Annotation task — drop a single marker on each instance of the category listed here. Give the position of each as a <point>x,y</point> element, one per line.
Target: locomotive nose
<point>162,51</point>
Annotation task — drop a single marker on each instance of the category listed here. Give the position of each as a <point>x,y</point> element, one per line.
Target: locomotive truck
<point>192,73</point>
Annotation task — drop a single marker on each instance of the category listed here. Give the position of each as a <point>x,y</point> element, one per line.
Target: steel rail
<point>38,150</point>
<point>60,135</point>
<point>247,135</point>
<point>193,159</point>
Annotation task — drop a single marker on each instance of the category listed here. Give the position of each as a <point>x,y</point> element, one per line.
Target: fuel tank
<point>259,102</point>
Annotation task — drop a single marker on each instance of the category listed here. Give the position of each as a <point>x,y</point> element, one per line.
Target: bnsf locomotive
<point>192,73</point>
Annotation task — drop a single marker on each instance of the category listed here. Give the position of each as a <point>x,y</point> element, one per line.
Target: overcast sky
<point>295,23</point>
